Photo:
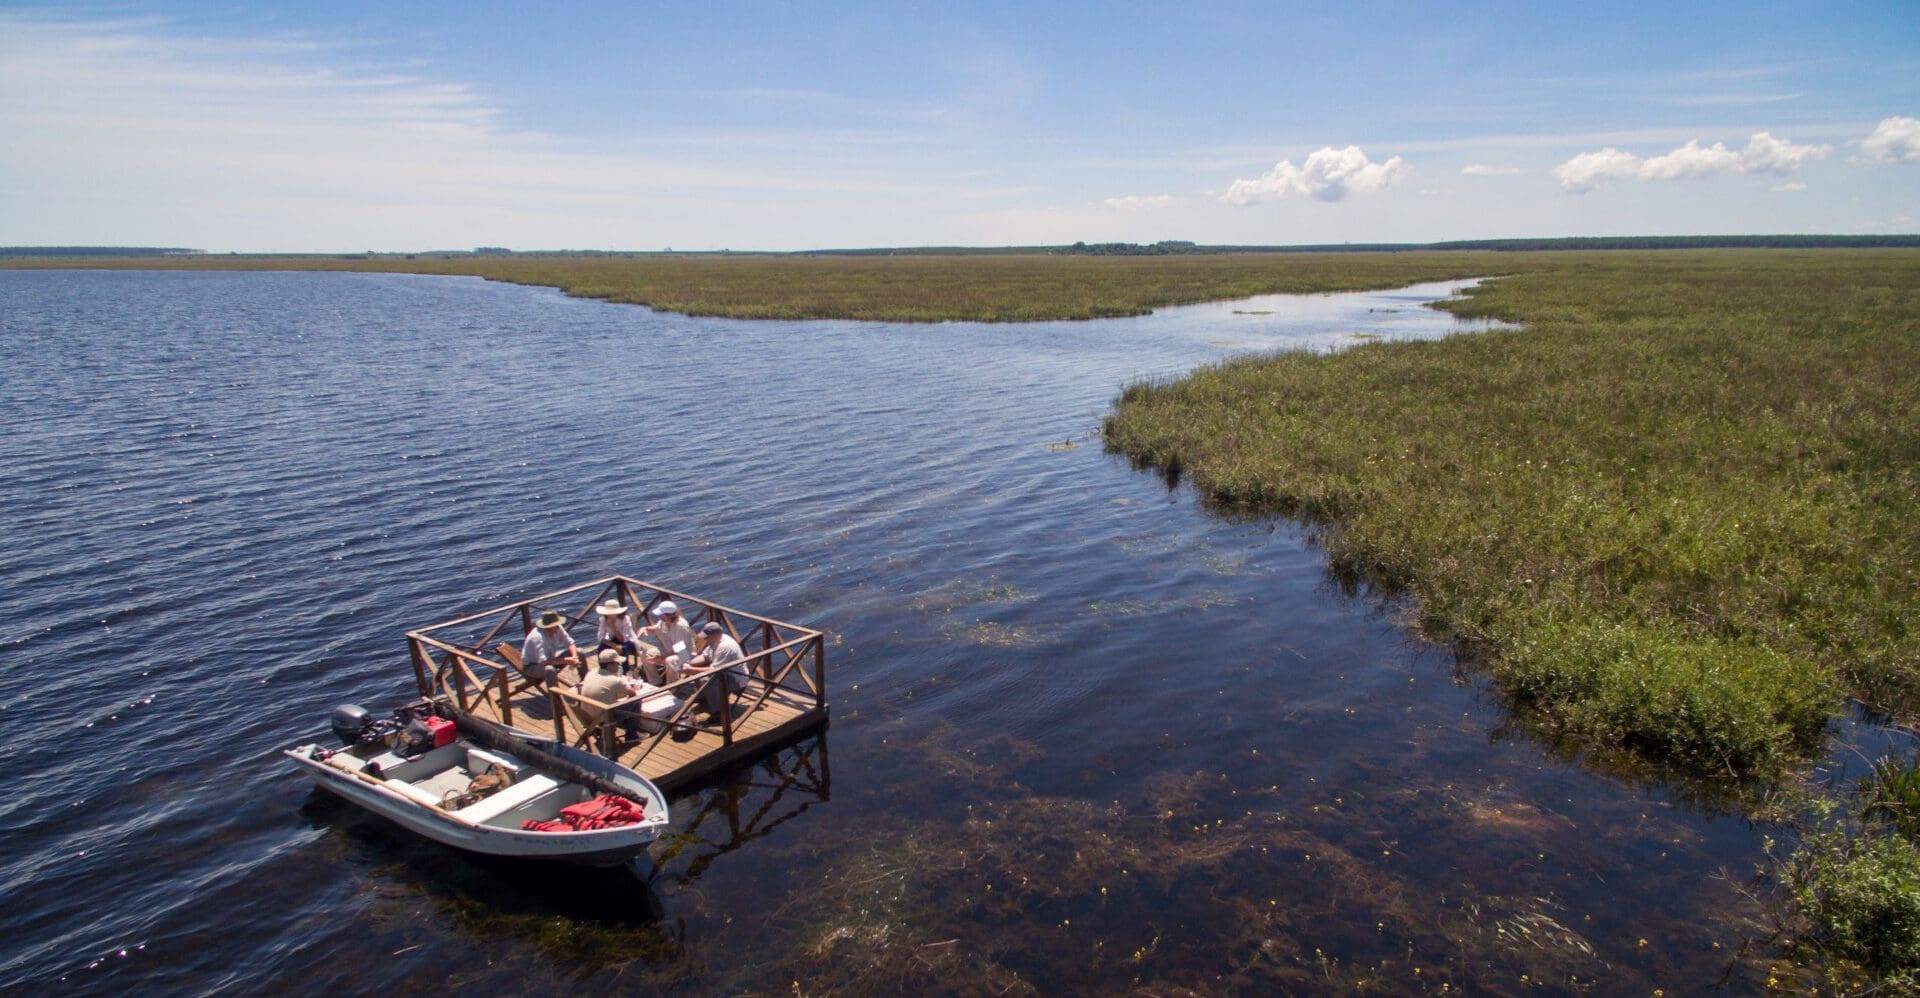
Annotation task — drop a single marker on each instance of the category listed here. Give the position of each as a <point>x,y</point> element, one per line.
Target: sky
<point>347,126</point>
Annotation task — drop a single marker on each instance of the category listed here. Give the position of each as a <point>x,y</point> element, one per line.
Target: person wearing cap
<point>549,645</point>
<point>617,631</point>
<point>719,652</point>
<point>606,685</point>
<point>672,640</point>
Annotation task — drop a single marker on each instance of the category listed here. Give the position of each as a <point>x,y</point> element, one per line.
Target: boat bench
<point>506,800</point>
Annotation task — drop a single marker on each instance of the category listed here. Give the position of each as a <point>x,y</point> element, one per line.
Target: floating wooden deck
<point>473,662</point>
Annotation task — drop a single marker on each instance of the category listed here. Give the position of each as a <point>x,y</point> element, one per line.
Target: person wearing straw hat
<point>617,631</point>
<point>672,640</point>
<point>549,645</point>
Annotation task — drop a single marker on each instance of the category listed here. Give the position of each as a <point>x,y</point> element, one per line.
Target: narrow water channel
<point>1085,735</point>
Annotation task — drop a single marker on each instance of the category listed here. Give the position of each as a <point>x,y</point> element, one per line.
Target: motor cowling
<point>350,722</point>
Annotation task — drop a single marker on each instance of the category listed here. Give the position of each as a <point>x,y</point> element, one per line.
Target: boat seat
<point>506,800</point>
<point>414,793</point>
<point>478,759</point>
<point>346,762</point>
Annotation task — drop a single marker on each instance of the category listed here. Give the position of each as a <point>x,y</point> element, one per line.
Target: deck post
<point>726,709</point>
<point>459,673</point>
<point>559,716</point>
<point>766,644</point>
<point>420,670</point>
<point>506,701</point>
<point>819,671</point>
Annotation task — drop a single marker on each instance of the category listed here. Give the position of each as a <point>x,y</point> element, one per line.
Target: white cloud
<point>1483,170</point>
<point>1591,169</point>
<point>1894,140</point>
<point>1691,161</point>
<point>1137,202</point>
<point>1767,154</point>
<point>1327,175</point>
<point>1764,153</point>
<point>1790,187</point>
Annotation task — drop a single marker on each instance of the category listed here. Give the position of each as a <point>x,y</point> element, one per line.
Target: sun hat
<point>666,606</point>
<point>550,618</point>
<point>712,627</point>
<point>610,608</point>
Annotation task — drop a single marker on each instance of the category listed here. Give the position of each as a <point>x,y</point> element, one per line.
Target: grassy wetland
<point>910,288</point>
<point>1674,512</point>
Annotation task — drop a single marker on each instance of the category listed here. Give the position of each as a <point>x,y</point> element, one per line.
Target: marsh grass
<point>1892,796</point>
<point>1674,512</point>
<point>984,288</point>
<point>1847,898</point>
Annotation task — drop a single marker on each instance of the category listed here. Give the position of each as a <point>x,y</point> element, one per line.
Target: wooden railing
<point>790,662</point>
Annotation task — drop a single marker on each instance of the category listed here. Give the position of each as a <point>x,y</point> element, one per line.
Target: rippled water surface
<point>1085,734</point>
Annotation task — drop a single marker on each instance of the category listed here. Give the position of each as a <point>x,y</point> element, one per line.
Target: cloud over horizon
<point>1894,140</point>
<point>1328,174</point>
<point>1764,153</point>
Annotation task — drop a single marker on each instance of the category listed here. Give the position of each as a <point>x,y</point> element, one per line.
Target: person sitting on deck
<point>549,645</point>
<point>617,631</point>
<point>671,637</point>
<point>606,685</point>
<point>719,653</point>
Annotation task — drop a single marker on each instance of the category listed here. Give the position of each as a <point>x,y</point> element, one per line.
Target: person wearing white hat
<point>672,640</point>
<point>617,631</point>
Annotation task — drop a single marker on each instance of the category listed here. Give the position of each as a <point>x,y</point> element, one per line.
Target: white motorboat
<point>482,788</point>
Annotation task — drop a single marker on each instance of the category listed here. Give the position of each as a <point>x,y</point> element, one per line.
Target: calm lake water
<point>1085,734</point>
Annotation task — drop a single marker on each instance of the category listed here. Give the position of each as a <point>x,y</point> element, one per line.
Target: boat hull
<point>601,847</point>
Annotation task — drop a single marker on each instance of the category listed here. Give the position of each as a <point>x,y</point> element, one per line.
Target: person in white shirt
<point>719,653</point>
<point>549,645</point>
<point>617,632</point>
<point>672,640</point>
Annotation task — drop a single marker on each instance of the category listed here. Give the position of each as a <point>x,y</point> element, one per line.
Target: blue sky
<point>346,126</point>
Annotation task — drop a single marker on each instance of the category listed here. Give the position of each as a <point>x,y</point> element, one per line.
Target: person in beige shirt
<point>606,685</point>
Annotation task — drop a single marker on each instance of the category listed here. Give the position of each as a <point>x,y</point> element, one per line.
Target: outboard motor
<point>350,722</point>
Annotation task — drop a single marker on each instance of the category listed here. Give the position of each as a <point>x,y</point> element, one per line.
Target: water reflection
<point>742,804</point>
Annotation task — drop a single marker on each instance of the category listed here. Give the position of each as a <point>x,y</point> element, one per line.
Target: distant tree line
<point>1165,247</point>
<point>98,251</point>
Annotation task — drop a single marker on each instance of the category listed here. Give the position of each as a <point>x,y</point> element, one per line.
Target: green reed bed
<point>985,287</point>
<point>1676,510</point>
